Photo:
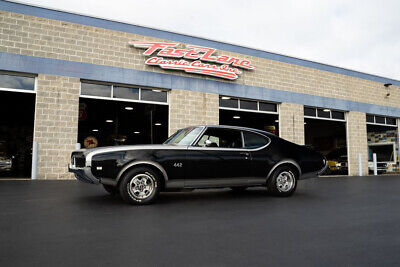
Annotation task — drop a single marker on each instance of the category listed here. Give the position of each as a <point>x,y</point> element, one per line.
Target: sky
<point>358,35</point>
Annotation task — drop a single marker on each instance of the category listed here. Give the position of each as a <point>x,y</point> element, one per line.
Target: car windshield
<point>184,137</point>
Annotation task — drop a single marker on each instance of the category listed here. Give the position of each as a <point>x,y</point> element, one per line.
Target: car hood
<point>106,149</point>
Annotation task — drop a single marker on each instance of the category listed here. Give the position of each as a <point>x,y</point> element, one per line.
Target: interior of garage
<point>325,132</point>
<point>16,133</point>
<point>382,137</point>
<point>110,123</point>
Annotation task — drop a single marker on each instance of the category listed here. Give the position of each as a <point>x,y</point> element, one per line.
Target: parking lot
<point>328,222</point>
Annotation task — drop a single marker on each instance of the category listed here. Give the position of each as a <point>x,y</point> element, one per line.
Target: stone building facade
<point>63,49</point>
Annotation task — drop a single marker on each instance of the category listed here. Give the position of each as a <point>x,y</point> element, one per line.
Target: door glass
<point>223,138</point>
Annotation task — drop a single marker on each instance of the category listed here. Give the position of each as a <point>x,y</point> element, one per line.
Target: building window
<point>227,102</point>
<point>123,92</point>
<point>381,120</point>
<point>14,81</point>
<point>324,114</point>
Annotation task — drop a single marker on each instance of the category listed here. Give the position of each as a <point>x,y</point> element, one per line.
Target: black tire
<point>238,189</point>
<point>146,178</point>
<point>112,190</point>
<point>274,184</point>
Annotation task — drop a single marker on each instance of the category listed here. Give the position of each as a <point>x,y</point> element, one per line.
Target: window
<point>245,104</point>
<point>184,137</point>
<point>126,92</point>
<point>253,140</point>
<point>235,103</point>
<point>12,81</point>
<point>228,102</point>
<point>153,95</point>
<point>220,137</point>
<point>324,113</point>
<point>267,106</point>
<point>381,120</point>
<point>95,89</point>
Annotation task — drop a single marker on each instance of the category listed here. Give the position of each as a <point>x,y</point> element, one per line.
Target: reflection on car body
<point>199,157</point>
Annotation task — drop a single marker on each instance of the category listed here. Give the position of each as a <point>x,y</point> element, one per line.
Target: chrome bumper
<point>83,174</point>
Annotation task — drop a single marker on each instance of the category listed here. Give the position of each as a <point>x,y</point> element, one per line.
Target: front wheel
<point>283,182</point>
<point>140,186</point>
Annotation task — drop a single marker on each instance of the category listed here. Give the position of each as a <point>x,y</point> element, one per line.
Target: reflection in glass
<point>153,95</point>
<point>17,82</point>
<point>96,89</point>
<point>126,92</point>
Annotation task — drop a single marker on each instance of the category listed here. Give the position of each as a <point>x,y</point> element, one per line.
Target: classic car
<point>199,157</point>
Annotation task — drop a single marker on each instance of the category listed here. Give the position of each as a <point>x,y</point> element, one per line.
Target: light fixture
<point>129,108</point>
<point>156,90</point>
<point>305,123</point>
<point>276,120</point>
<point>136,132</point>
<point>236,117</point>
<point>326,110</point>
<point>157,124</point>
<point>225,97</point>
<point>95,130</point>
<point>109,121</point>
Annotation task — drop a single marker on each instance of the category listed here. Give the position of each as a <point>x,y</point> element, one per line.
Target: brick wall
<point>291,122</point>
<point>56,124</point>
<point>357,142</point>
<point>189,108</point>
<point>28,35</point>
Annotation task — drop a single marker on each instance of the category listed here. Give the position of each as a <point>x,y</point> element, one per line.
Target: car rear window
<point>253,140</point>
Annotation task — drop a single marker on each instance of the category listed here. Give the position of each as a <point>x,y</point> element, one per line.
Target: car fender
<point>282,162</point>
<point>142,162</point>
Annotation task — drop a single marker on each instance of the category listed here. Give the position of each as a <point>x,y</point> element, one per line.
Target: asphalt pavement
<point>341,221</point>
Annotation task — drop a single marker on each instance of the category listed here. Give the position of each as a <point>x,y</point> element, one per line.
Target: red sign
<point>225,67</point>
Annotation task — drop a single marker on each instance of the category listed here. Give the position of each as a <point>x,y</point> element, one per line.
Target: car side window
<point>220,137</point>
<point>253,140</point>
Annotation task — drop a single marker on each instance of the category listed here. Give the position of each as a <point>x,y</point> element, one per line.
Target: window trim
<point>194,146</point>
<point>265,137</point>
<point>316,117</point>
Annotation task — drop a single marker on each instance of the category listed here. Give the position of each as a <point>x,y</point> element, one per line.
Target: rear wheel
<point>283,181</point>
<point>140,186</point>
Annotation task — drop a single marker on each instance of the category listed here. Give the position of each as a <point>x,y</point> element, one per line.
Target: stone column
<point>56,124</point>
<point>291,122</point>
<point>188,108</point>
<point>357,142</point>
<point>398,143</point>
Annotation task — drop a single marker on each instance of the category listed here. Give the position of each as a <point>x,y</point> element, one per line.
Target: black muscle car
<point>198,157</point>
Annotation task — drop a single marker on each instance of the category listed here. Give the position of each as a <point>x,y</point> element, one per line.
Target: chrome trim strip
<point>290,161</point>
<point>144,162</point>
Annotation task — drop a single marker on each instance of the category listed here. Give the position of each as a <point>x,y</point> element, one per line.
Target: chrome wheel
<point>285,181</point>
<point>141,186</point>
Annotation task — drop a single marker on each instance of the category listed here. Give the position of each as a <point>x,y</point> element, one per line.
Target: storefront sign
<point>227,67</point>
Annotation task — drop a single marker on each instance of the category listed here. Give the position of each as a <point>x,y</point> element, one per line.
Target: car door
<point>217,159</point>
<point>262,156</point>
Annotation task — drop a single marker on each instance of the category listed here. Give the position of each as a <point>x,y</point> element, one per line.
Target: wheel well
<point>289,164</point>
<point>152,167</point>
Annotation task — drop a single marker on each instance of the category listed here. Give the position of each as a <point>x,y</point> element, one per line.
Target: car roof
<point>236,128</point>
